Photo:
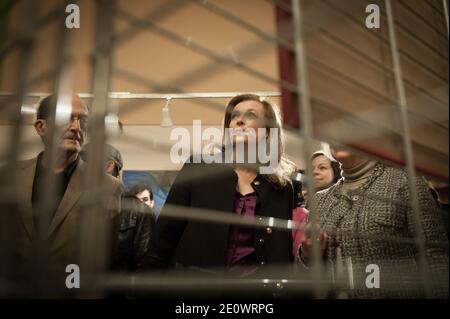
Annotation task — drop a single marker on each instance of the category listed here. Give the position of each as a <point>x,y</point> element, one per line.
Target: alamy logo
<point>73,279</point>
<point>373,279</point>
<point>373,19</point>
<point>240,145</point>
<point>73,18</point>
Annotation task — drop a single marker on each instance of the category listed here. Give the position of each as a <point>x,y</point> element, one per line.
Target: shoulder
<point>21,165</point>
<point>196,168</point>
<point>330,191</point>
<point>114,182</point>
<point>27,163</point>
<point>109,181</point>
<point>394,178</point>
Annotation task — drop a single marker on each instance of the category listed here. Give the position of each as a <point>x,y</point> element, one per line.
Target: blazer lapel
<point>27,172</point>
<point>71,196</point>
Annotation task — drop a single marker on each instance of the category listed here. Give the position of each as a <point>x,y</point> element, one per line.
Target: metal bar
<point>379,35</point>
<point>208,282</point>
<point>161,12</point>
<point>384,68</point>
<point>95,220</point>
<point>51,156</point>
<point>278,279</point>
<point>219,10</point>
<point>411,34</point>
<point>444,3</point>
<point>155,86</point>
<point>423,266</point>
<point>158,96</point>
<point>219,217</point>
<point>306,131</point>
<point>10,181</point>
<point>200,49</point>
<point>407,5</point>
<point>280,4</point>
<point>17,41</point>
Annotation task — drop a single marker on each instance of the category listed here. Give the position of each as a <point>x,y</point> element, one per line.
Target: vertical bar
<point>444,2</point>
<point>423,267</point>
<point>306,131</point>
<point>94,231</point>
<point>62,89</point>
<point>9,184</point>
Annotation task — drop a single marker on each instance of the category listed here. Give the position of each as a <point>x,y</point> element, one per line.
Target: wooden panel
<point>433,17</point>
<point>352,80</point>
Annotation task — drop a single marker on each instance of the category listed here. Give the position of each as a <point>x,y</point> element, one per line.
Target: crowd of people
<point>362,207</point>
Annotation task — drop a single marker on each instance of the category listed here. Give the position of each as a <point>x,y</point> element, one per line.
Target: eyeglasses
<point>82,120</point>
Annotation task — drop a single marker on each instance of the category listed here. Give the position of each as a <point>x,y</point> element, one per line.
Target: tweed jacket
<point>374,224</point>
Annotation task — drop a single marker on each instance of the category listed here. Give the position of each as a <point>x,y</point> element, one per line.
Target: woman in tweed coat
<point>363,214</point>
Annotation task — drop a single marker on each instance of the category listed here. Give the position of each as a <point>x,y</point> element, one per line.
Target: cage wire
<point>296,31</point>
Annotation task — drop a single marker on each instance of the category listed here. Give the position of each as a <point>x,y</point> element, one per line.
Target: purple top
<point>240,242</point>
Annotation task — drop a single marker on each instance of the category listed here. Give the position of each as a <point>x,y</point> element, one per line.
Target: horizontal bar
<point>153,96</point>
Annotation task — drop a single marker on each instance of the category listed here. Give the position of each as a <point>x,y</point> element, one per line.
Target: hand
<point>307,241</point>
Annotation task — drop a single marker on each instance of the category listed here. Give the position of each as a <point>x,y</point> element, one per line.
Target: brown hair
<point>285,167</point>
<point>335,166</point>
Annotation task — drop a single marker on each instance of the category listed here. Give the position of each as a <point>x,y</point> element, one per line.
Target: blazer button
<point>269,230</point>
<point>261,241</point>
<point>355,198</point>
<point>256,183</point>
<point>262,263</point>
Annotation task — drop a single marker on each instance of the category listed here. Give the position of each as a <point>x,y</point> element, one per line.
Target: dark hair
<point>45,107</point>
<point>138,188</point>
<point>285,168</point>
<point>335,166</point>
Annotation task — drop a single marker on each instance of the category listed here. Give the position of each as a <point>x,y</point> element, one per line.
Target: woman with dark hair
<point>326,171</point>
<point>231,188</point>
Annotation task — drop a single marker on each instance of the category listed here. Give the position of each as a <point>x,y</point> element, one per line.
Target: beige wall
<point>350,69</point>
<point>142,147</point>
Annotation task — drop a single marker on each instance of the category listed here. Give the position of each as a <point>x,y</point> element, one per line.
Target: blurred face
<point>144,196</point>
<point>346,158</point>
<point>73,132</point>
<point>245,116</point>
<point>322,172</point>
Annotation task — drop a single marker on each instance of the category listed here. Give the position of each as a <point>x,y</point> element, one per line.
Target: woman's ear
<point>40,127</point>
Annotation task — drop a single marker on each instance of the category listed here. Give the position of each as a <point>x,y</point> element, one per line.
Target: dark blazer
<point>63,235</point>
<point>201,244</point>
<point>137,223</point>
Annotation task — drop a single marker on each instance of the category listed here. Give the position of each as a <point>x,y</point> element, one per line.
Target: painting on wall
<point>158,181</point>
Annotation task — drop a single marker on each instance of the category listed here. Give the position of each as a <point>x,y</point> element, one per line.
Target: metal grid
<point>106,41</point>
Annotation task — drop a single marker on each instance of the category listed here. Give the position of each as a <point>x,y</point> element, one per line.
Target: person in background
<point>232,188</point>
<point>143,193</point>
<point>366,219</point>
<point>59,214</point>
<point>439,191</point>
<point>137,220</point>
<point>326,171</point>
<point>113,160</point>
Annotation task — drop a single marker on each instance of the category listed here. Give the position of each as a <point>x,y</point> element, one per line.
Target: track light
<point>166,120</point>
